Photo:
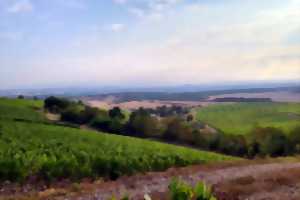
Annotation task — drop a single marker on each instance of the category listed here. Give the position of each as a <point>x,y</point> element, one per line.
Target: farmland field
<point>240,118</point>
<point>33,147</point>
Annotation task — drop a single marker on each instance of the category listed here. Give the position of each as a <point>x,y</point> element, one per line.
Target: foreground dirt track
<point>250,180</point>
<point>255,181</point>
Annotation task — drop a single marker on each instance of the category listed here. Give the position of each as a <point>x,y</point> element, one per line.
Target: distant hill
<point>183,96</point>
<point>90,90</point>
<point>241,99</point>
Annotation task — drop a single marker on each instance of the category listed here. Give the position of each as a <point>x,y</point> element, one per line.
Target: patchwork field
<point>132,105</point>
<point>30,146</point>
<point>240,118</point>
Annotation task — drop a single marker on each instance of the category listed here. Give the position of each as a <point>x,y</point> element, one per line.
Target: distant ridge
<point>184,96</point>
<point>164,92</point>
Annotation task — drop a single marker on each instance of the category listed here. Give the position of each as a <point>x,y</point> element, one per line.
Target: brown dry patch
<point>132,105</point>
<point>250,187</point>
<point>53,117</point>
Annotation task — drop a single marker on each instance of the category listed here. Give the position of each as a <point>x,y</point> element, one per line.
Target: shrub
<point>174,128</point>
<point>101,123</point>
<point>203,192</point>
<point>21,97</point>
<point>294,140</point>
<point>104,123</point>
<point>190,118</point>
<point>116,113</point>
<point>89,113</point>
<point>72,114</point>
<point>78,114</point>
<point>56,105</point>
<point>182,191</point>
<point>268,141</point>
<point>11,169</point>
<point>142,124</point>
<point>233,145</point>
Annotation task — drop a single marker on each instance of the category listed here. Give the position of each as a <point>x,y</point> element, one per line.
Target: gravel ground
<point>248,180</point>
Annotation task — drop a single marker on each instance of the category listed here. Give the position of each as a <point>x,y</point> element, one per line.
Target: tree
<point>116,113</point>
<point>294,140</point>
<point>209,141</point>
<point>89,113</point>
<point>72,114</point>
<point>21,96</point>
<point>101,122</point>
<point>233,145</point>
<point>175,128</point>
<point>142,124</point>
<point>75,114</point>
<point>56,105</point>
<point>189,118</point>
<point>268,141</point>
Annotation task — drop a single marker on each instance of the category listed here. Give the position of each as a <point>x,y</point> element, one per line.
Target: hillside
<point>240,118</point>
<point>31,146</point>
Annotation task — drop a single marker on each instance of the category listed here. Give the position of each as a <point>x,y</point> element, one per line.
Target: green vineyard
<point>31,146</point>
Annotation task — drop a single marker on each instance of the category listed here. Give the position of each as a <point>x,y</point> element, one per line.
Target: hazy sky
<point>149,42</point>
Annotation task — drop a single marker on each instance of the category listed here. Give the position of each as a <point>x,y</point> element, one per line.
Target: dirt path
<point>246,180</point>
<point>255,182</point>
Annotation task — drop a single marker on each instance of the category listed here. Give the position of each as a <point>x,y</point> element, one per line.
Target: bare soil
<point>251,180</point>
<point>53,117</point>
<point>131,105</point>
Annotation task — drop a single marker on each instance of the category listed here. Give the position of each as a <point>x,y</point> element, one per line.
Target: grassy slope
<point>28,148</point>
<point>240,118</point>
<point>21,109</point>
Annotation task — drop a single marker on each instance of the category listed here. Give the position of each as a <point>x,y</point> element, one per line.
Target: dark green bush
<point>268,141</point>
<point>294,140</point>
<point>116,113</point>
<point>12,169</point>
<point>55,104</point>
<point>142,124</point>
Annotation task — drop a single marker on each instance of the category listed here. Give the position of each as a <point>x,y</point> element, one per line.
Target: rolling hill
<point>240,118</point>
<point>31,146</point>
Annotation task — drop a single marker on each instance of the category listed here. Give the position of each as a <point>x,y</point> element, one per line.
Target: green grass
<point>50,151</point>
<point>240,118</point>
<point>21,109</point>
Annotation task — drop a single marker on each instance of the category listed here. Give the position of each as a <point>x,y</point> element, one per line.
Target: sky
<point>52,43</point>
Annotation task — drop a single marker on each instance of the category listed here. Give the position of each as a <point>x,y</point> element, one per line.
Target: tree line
<point>176,125</point>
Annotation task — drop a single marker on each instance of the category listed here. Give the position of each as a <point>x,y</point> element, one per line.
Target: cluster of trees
<point>241,99</point>
<point>78,113</point>
<point>23,97</point>
<point>260,141</point>
<point>144,123</point>
<point>57,105</point>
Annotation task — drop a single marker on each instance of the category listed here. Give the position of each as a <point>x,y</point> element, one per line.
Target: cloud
<point>78,4</point>
<point>136,12</point>
<point>21,6</point>
<point>187,43</point>
<point>148,9</point>
<point>120,1</point>
<point>117,27</point>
